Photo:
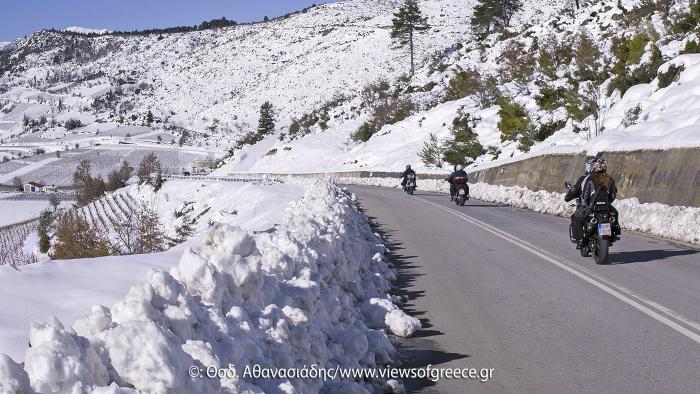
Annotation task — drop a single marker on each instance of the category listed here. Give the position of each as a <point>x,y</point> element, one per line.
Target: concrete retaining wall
<point>670,176</point>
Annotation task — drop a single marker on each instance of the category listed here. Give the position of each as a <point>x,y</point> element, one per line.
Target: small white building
<point>201,167</point>
<point>33,187</point>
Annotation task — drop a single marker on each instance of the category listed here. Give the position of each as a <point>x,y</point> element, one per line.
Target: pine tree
<point>432,152</point>
<point>149,117</point>
<point>508,8</point>
<point>151,237</point>
<point>490,13</point>
<point>464,143</point>
<point>45,220</point>
<point>118,178</point>
<point>484,16</point>
<point>185,229</point>
<point>150,171</point>
<point>407,21</point>
<point>17,183</point>
<point>89,187</point>
<point>55,201</point>
<point>266,122</point>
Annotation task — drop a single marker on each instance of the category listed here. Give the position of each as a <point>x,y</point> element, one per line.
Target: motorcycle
<point>462,190</point>
<point>598,232</point>
<point>410,184</point>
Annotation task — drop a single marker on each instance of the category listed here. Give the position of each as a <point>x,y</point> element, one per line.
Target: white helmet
<point>459,167</point>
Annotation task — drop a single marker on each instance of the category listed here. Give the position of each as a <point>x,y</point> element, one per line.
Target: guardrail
<point>217,178</point>
<point>334,174</point>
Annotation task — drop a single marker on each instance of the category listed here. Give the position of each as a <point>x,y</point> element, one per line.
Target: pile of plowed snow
<point>674,222</point>
<point>312,292</point>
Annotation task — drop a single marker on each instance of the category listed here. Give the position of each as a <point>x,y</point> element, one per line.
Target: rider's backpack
<point>600,200</point>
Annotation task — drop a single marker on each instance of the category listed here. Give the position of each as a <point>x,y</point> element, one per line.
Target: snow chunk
<point>383,313</point>
<point>13,379</point>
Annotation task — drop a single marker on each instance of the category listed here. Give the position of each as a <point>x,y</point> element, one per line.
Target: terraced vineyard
<point>6,168</point>
<point>104,213</point>
<point>12,240</point>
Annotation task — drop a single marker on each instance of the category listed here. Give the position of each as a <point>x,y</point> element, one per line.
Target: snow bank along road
<point>312,292</point>
<point>500,287</point>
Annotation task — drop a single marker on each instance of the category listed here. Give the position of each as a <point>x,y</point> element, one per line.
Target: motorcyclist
<point>601,182</point>
<point>457,173</point>
<point>597,182</point>
<point>575,192</point>
<point>405,174</point>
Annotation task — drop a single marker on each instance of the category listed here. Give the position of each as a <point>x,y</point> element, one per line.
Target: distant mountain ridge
<point>85,30</point>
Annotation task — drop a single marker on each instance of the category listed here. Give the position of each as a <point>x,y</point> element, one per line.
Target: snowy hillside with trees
<point>490,83</point>
<point>605,76</point>
<point>203,87</point>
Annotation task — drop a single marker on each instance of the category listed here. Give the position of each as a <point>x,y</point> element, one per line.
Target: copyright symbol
<point>193,371</point>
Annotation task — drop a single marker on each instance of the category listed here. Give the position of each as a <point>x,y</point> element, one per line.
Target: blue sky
<point>22,17</point>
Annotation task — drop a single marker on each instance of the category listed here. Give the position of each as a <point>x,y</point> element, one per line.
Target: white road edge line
<point>617,292</point>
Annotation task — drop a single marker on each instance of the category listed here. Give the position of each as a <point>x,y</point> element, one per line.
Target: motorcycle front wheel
<point>600,252</point>
<point>410,191</point>
<point>460,201</point>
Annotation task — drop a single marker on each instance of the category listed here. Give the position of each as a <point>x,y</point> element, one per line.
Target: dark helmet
<point>408,167</point>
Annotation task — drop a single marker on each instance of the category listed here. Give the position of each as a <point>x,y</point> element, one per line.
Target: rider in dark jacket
<point>575,192</point>
<point>457,173</point>
<point>595,179</point>
<point>404,175</point>
<point>601,182</point>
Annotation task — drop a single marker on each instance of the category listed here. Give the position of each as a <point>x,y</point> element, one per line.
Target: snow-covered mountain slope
<point>318,64</point>
<point>297,63</point>
<point>627,103</point>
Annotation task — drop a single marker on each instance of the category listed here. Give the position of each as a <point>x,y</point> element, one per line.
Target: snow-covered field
<point>14,211</point>
<point>312,292</point>
<point>674,222</point>
<point>51,170</point>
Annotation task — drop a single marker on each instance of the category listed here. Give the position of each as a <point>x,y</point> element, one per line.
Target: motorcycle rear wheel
<point>600,253</point>
<point>460,201</point>
<point>410,191</point>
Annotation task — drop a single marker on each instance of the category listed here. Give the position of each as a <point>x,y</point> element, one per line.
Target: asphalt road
<point>503,288</point>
